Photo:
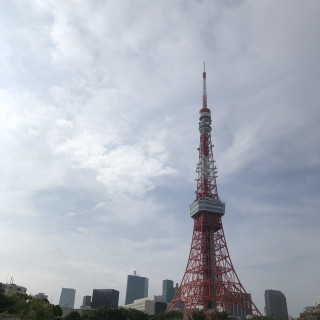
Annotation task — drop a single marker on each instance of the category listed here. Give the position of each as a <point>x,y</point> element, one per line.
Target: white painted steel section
<point>207,205</point>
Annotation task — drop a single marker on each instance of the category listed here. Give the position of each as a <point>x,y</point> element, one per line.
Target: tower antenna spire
<point>204,95</point>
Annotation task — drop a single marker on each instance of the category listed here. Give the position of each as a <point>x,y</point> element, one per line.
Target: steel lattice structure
<point>210,281</point>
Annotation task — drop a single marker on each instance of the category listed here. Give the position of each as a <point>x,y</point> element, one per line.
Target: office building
<point>276,304</point>
<point>239,311</point>
<point>149,305</point>
<point>86,303</point>
<point>168,290</point>
<point>137,288</point>
<point>41,295</point>
<point>67,298</point>
<point>105,298</point>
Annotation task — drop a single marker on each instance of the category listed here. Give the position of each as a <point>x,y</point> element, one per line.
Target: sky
<point>99,105</point>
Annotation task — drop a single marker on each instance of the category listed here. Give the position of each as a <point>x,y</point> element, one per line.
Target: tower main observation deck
<point>210,281</point>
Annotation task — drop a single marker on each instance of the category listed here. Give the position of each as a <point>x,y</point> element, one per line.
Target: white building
<point>10,288</point>
<point>150,305</point>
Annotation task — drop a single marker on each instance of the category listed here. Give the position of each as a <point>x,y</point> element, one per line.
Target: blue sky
<point>99,106</point>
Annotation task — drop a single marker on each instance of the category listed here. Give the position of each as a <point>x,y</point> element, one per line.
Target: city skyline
<point>99,110</point>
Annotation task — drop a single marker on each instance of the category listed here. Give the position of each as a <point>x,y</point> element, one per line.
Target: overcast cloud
<point>99,106</point>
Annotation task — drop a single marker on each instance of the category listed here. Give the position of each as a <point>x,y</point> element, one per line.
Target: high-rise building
<point>105,298</point>
<point>67,298</point>
<point>210,281</point>
<point>137,288</point>
<point>168,290</point>
<point>276,304</point>
<point>240,312</point>
<point>86,303</point>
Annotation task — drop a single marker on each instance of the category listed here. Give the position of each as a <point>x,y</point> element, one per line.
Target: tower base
<point>210,282</point>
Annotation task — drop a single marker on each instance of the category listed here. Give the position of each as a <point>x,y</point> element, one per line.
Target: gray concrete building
<point>86,303</point>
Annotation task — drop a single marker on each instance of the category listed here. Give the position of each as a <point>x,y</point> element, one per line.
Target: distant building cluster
<point>310,312</point>
<point>137,298</point>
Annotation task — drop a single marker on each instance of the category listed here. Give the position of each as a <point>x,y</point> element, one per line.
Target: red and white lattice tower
<point>210,281</point>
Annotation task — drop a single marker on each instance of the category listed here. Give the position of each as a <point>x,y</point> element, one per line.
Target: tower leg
<point>210,281</point>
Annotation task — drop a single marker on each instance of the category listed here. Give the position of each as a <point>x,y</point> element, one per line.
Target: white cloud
<point>123,169</point>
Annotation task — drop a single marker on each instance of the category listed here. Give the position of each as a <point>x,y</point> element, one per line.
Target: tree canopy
<point>26,306</point>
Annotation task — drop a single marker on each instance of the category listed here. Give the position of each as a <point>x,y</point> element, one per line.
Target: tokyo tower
<point>210,281</point>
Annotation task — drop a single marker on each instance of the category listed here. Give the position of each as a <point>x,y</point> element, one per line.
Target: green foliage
<point>39,309</point>
<point>114,314</point>
<point>73,315</point>
<point>197,315</point>
<point>4,301</point>
<point>172,315</point>
<point>57,311</point>
<point>18,304</point>
<point>223,315</point>
<point>25,306</point>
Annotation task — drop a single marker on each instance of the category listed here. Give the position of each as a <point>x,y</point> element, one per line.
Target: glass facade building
<point>67,298</point>
<point>137,288</point>
<point>168,290</point>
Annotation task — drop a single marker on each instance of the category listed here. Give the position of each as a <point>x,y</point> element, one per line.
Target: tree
<point>197,315</point>
<point>26,306</point>
<point>18,304</point>
<point>4,301</point>
<point>171,315</point>
<point>223,315</point>
<point>39,309</point>
<point>73,315</point>
<point>57,311</point>
<point>114,314</point>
